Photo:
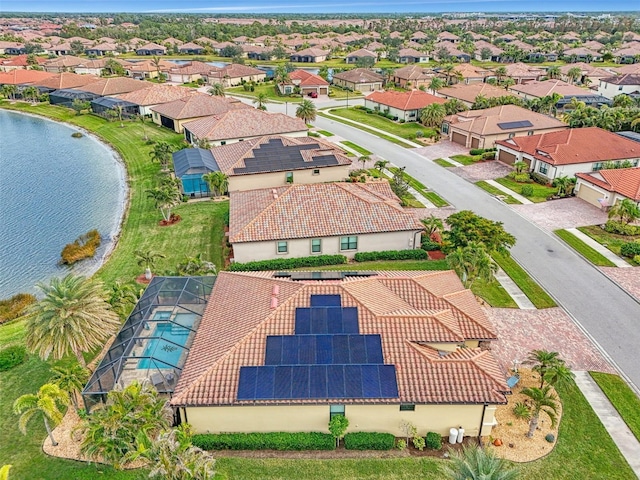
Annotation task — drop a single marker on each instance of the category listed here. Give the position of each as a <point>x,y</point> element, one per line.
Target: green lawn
<point>540,192</point>
<point>622,397</point>
<point>356,147</point>
<point>268,88</point>
<point>430,195</point>
<point>531,289</point>
<point>325,133</point>
<point>496,191</point>
<point>365,129</point>
<point>466,159</point>
<point>406,130</point>
<point>443,163</point>
<point>610,240</point>
<point>583,249</point>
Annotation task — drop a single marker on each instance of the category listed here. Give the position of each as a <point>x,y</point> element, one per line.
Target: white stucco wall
<point>610,90</point>
<point>336,173</point>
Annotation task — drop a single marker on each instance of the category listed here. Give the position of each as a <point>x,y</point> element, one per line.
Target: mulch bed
<point>436,255</point>
<point>172,220</point>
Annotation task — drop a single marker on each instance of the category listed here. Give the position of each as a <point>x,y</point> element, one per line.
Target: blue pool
<point>166,349</point>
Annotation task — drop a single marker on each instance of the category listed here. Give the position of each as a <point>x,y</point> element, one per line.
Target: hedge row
<point>369,441</point>
<point>11,357</point>
<point>417,254</point>
<point>287,263</point>
<point>265,441</point>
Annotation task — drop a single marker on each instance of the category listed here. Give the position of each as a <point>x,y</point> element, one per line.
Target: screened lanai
<point>154,342</point>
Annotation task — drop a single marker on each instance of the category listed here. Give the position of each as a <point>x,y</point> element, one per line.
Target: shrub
<point>522,178</point>
<point>433,441</point>
<point>84,246</point>
<point>637,259</point>
<point>538,178</point>
<point>630,249</point>
<point>419,442</point>
<point>401,444</point>
<point>619,228</point>
<point>521,410</point>
<point>287,263</point>
<point>489,155</point>
<point>526,190</point>
<point>476,151</point>
<point>77,135</point>
<point>13,307</point>
<point>550,437</point>
<point>419,134</point>
<point>417,254</point>
<point>264,441</point>
<point>369,441</point>
<point>12,357</point>
<point>430,246</point>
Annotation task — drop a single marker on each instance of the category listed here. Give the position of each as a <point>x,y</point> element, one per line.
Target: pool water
<point>165,350</point>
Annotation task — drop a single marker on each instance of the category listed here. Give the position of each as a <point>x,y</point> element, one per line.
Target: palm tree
<point>559,374</point>
<point>564,184</point>
<point>626,211</point>
<point>306,111</point>
<point>30,93</point>
<point>542,400</point>
<point>508,82</point>
<point>196,266</point>
<point>432,224</point>
<point>161,153</point>
<point>520,167</point>
<point>48,401</point>
<point>542,360</point>
<point>471,263</point>
<point>217,90</point>
<point>380,165</point>
<point>364,159</point>
<point>261,101</point>
<point>122,298</point>
<point>218,182</point>
<point>435,84</point>
<point>500,72</point>
<point>147,258</point>
<point>166,197</point>
<point>574,74</point>
<point>71,380</point>
<point>480,102</point>
<point>156,62</point>
<point>9,91</point>
<point>72,317</point>
<point>432,115</point>
<point>449,71</point>
<point>281,75</point>
<point>454,106</point>
<point>477,463</point>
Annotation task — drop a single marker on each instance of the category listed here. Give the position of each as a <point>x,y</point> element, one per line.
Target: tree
<point>77,47</point>
<point>485,53</point>
<point>281,75</point>
<point>626,210</point>
<point>47,402</point>
<point>324,72</point>
<point>621,100</point>
<point>166,196</point>
<point>449,70</point>
<point>500,72</point>
<point>72,317</point>
<point>432,224</point>
<point>380,165</point>
<point>564,185</point>
<point>481,102</point>
<point>477,463</point>
<point>156,62</point>
<point>122,298</point>
<point>147,259</point>
<point>520,167</point>
<point>338,427</point>
<point>471,263</point>
<point>573,74</point>
<point>218,182</point>
<point>553,72</point>
<point>399,184</point>
<point>559,374</point>
<point>364,159</point>
<point>466,226</point>
<point>454,106</point>
<point>435,84</point>
<point>71,380</point>
<point>217,90</point>
<point>80,105</point>
<point>306,111</point>
<point>161,153</point>
<point>231,51</point>
<point>9,91</point>
<point>132,416</point>
<point>542,400</point>
<point>195,266</point>
<point>113,67</point>
<point>542,360</point>
<point>30,93</point>
<point>365,62</point>
<point>432,115</point>
<point>261,101</point>
<point>508,82</point>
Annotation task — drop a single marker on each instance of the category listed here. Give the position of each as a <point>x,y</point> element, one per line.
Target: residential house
<point>523,73</point>
<point>361,54</point>
<point>544,88</point>
<point>581,54</point>
<point>401,105</point>
<point>467,93</point>
<point>102,49</point>
<point>627,54</point>
<point>568,152</point>
<point>111,86</point>
<point>19,62</point>
<point>191,48</point>
<point>452,52</point>
<point>411,55</point>
<point>306,82</point>
<point>23,77</point>
<point>495,53</point>
<point>189,72</point>
<point>175,114</point>
<point>448,37</point>
<point>260,162</point>
<point>66,63</point>
<point>483,128</point>
<point>61,49</point>
<point>235,74</point>
<point>148,69</point>
<point>628,84</point>
<point>588,73</point>
<point>155,94</point>
<point>605,188</point>
<point>359,79</point>
<point>346,218</point>
<point>257,52</point>
<point>63,81</point>
<point>92,67</point>
<point>412,76</point>
<point>419,37</point>
<point>151,49</point>
<point>317,344</point>
<point>467,73</point>
<point>379,48</point>
<point>309,55</point>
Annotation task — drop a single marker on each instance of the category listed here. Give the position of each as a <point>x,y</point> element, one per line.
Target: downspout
<point>484,409</point>
<point>414,240</point>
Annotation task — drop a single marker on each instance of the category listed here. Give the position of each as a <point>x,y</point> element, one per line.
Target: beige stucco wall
<point>406,115</point>
<point>488,141</point>
<point>362,418</point>
<point>336,173</point>
<point>216,143</point>
<point>301,247</point>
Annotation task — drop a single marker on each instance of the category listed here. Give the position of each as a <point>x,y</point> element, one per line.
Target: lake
<point>53,188</point>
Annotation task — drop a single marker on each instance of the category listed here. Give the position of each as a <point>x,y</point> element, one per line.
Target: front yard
<point>610,240</point>
<point>268,88</point>
<point>407,130</point>
<point>540,192</point>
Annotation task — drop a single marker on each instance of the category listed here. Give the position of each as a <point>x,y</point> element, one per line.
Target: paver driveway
<point>627,278</point>
<point>442,149</point>
<point>565,213</point>
<point>482,171</point>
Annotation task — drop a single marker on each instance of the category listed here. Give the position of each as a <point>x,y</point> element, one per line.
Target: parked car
<point>313,94</point>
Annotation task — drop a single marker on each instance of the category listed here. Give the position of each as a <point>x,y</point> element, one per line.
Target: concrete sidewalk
<point>508,191</point>
<point>513,290</point>
<point>625,440</point>
<point>602,250</point>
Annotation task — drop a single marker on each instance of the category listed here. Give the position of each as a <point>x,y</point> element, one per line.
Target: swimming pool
<point>166,348</point>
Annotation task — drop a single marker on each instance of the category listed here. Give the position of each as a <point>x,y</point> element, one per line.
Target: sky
<point>314,6</point>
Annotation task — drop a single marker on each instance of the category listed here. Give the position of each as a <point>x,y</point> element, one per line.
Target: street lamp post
<point>347,98</point>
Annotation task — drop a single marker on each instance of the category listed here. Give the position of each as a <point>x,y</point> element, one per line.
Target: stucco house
<point>306,81</point>
<point>293,349</point>
<point>544,88</point>
<point>411,55</point>
<point>330,218</point>
<point>155,94</point>
<point>482,128</point>
<point>624,84</point>
<point>359,79</point>
<point>412,76</point>
<point>269,161</point>
<point>605,188</point>
<point>189,72</point>
<point>361,53</point>
<point>467,93</point>
<point>191,48</point>
<point>235,74</point>
<point>151,49</point>
<point>401,105</point>
<point>568,152</point>
<point>309,55</point>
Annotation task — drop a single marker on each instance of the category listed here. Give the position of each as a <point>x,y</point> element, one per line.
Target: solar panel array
<point>326,358</point>
<point>512,125</point>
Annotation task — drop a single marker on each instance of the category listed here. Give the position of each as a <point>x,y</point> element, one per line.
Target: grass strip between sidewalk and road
<point>487,187</point>
<point>325,133</point>
<point>583,249</point>
<point>530,288</point>
<point>356,147</point>
<point>625,401</point>
<point>443,163</point>
<point>365,129</point>
<point>421,188</point>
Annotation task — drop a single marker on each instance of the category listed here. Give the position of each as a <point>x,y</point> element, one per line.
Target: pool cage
<point>154,342</point>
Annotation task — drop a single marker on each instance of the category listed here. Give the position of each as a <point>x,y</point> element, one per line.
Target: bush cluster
<point>417,254</point>
<point>526,190</point>
<point>265,441</point>
<point>538,178</point>
<point>630,249</point>
<point>522,178</point>
<point>287,263</point>
<point>84,246</point>
<point>480,151</point>
<point>489,156</point>
<point>369,441</point>
<point>11,357</point>
<point>433,441</point>
<point>620,228</point>
<point>14,307</point>
<point>430,246</point>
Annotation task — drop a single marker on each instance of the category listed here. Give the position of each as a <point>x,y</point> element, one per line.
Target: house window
<point>289,177</point>
<point>445,128</point>
<point>407,407</point>
<point>282,247</point>
<point>511,135</point>
<point>316,245</point>
<point>349,243</point>
<point>530,132</point>
<point>335,410</point>
<point>316,172</point>
<point>543,168</point>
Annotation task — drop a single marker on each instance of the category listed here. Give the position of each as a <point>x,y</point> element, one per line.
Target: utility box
<point>453,436</point>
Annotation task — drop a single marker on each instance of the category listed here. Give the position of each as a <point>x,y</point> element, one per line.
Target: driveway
<point>627,278</point>
<point>565,213</point>
<point>442,149</point>
<point>482,171</point>
<point>520,331</point>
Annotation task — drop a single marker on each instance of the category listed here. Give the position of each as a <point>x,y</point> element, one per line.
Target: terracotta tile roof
<point>244,123</point>
<point>485,122</point>
<point>468,93</point>
<point>360,75</point>
<point>522,70</point>
<point>65,61</point>
<point>66,80</point>
<point>197,105</point>
<point>575,145</point>
<point>469,71</point>
<point>235,70</point>
<point>151,46</point>
<point>410,52</point>
<point>307,79</point>
<point>148,66</point>
<point>580,51</point>
<point>414,72</point>
<point>114,86</point>
<point>625,181</point>
<point>155,94</point>
<point>627,79</point>
<point>586,69</point>
<point>20,61</point>
<point>362,52</point>
<point>105,46</point>
<point>312,52</point>
<point>543,88</point>
<point>190,46</point>
<point>320,210</point>
<point>19,76</point>
<point>413,100</point>
<point>192,68</point>
<point>399,306</point>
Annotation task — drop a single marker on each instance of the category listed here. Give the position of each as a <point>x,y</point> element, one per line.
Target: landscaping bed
<point>612,241</point>
<point>540,192</point>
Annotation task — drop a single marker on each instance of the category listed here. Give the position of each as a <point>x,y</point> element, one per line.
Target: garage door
<point>506,157</point>
<point>590,194</point>
<point>459,138</point>
<point>475,142</point>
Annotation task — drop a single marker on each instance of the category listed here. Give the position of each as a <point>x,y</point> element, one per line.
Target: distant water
<point>53,188</point>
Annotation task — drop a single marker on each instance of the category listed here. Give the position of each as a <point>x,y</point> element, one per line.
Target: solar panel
<point>340,349</point>
<point>335,381</point>
<point>300,382</point>
<point>318,320</point>
<point>324,349</point>
<point>318,381</point>
<point>388,382</point>
<point>357,349</point>
<point>282,384</point>
<point>373,345</point>
<point>273,350</point>
<point>325,301</point>
<point>290,350</point>
<point>512,125</point>
<point>370,381</point>
<point>334,320</point>
<point>247,383</point>
<point>307,349</point>
<point>303,321</point>
<point>264,383</point>
<point>350,320</point>
<point>353,381</point>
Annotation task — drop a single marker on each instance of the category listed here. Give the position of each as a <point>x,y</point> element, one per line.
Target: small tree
<point>520,167</point>
<point>398,183</point>
<point>261,101</point>
<point>408,429</point>
<point>475,463</point>
<point>432,224</point>
<point>217,90</point>
<point>166,196</point>
<point>380,165</point>
<point>80,105</point>
<point>47,402</point>
<point>542,400</point>
<point>161,153</point>
<point>147,258</point>
<point>338,427</point>
<point>364,159</point>
<point>432,115</point>
<point>71,380</point>
<point>626,211</point>
<point>306,111</point>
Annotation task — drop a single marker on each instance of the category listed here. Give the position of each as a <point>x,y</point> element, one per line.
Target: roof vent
<point>274,302</point>
<point>276,290</point>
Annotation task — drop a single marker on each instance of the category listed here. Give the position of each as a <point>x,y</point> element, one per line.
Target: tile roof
<point>409,310</point>
<point>244,123</point>
<point>360,75</point>
<point>413,100</point>
<point>306,79</point>
<point>625,181</point>
<point>414,72</point>
<point>362,52</point>
<point>410,52</point>
<point>312,52</point>
<point>19,76</point>
<point>113,86</point>
<point>197,105</point>
<point>320,210</point>
<point>235,70</point>
<point>65,61</point>
<point>575,145</point>
<point>470,71</point>
<point>485,122</point>
<point>191,68</point>
<point>66,80</point>
<point>155,94</point>
<point>627,79</point>
<point>522,70</point>
<point>544,88</point>
<point>468,93</point>
<point>20,61</point>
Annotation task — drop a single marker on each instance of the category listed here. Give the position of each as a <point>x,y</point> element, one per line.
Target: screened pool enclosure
<point>154,342</point>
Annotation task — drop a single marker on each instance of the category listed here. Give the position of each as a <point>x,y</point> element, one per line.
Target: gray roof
<point>191,161</point>
<point>635,136</point>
